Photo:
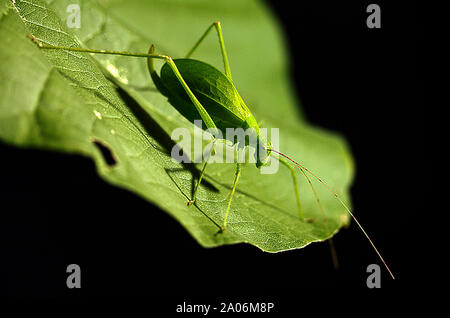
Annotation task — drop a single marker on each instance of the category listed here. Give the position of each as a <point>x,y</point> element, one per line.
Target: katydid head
<point>262,153</point>
<point>263,145</point>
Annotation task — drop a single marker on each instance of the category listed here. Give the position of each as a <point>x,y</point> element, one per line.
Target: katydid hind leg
<point>207,120</point>
<point>202,111</point>
<point>223,51</point>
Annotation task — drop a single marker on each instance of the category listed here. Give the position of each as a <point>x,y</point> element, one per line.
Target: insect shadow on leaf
<point>159,134</point>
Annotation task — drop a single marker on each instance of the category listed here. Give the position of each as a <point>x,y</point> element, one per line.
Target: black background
<point>360,82</point>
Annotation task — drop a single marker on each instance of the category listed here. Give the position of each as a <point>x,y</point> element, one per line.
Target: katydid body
<point>200,91</point>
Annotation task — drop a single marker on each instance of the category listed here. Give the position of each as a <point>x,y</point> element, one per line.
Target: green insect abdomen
<point>213,89</point>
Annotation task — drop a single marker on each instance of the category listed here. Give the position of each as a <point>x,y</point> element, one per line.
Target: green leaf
<point>72,102</point>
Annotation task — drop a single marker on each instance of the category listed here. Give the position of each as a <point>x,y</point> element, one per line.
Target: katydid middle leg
<point>194,196</point>
<point>233,190</point>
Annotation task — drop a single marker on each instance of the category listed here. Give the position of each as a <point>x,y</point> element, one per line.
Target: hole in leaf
<point>106,152</point>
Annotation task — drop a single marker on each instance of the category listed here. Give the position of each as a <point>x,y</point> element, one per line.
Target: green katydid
<point>192,87</point>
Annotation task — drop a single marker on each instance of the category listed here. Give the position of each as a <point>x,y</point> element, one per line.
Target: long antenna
<point>301,167</point>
